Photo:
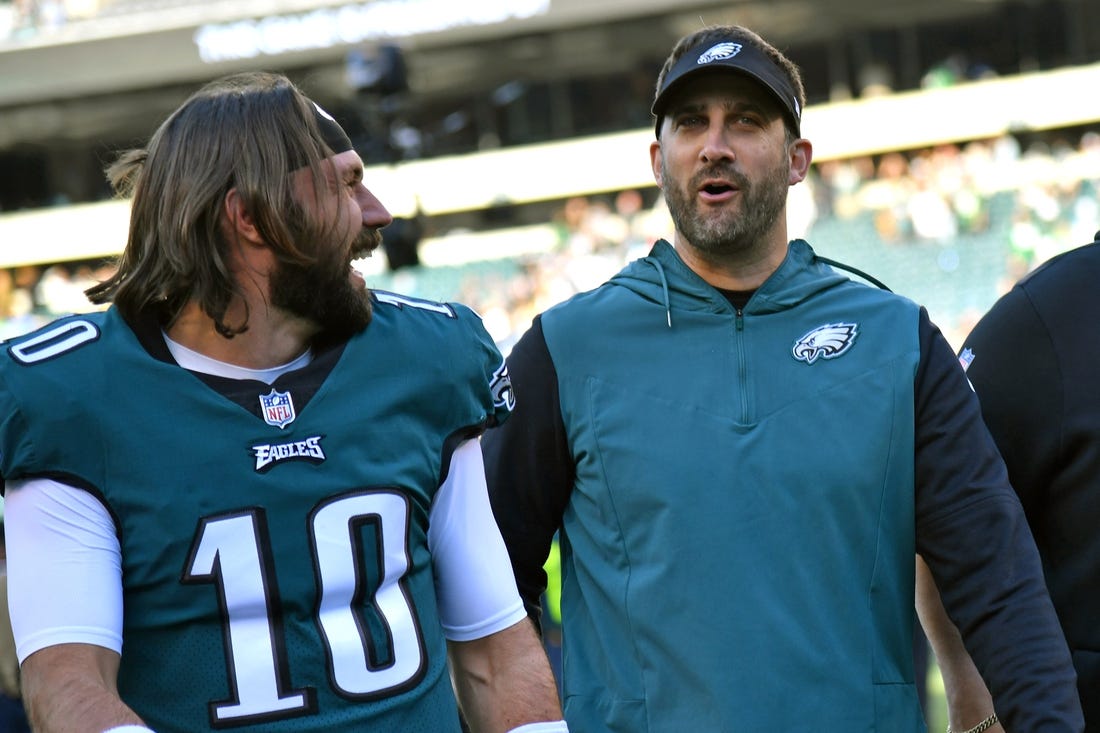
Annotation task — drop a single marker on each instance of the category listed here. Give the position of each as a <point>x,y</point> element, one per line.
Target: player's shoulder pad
<point>458,329</point>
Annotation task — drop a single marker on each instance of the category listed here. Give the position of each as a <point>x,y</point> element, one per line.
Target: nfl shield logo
<point>278,408</point>
<point>965,358</point>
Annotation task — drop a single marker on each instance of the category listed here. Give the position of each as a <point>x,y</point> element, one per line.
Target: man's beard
<point>726,231</point>
<point>322,291</point>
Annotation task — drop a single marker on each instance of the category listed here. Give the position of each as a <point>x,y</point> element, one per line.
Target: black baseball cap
<point>332,134</point>
<point>738,56</point>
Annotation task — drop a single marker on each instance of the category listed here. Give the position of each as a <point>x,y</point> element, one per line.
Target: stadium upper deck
<point>495,78</point>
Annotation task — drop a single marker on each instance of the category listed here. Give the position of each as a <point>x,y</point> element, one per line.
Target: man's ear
<point>655,162</point>
<point>238,219</point>
<point>802,154</point>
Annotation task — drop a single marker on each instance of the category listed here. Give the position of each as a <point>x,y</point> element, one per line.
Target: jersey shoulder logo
<point>826,342</point>
<point>501,387</point>
<point>277,408</point>
<point>721,51</point>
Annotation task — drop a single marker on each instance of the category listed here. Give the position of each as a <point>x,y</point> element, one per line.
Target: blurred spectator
<point>56,293</point>
<point>16,307</point>
<point>23,19</point>
<point>946,73</point>
<point>930,214</point>
<point>847,178</point>
<point>35,16</point>
<point>801,209</point>
<point>886,196</point>
<point>875,80</point>
<point>7,287</point>
<point>629,207</point>
<point>954,69</point>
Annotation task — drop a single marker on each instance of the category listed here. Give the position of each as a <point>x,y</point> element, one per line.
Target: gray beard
<point>726,232</point>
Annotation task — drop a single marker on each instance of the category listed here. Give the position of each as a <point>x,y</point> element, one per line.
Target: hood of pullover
<point>663,278</point>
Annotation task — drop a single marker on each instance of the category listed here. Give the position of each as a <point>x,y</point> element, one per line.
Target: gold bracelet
<point>980,727</point>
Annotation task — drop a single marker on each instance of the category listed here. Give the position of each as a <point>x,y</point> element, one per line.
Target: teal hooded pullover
<point>742,521</point>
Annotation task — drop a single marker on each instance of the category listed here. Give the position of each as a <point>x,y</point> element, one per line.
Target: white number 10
<point>232,550</point>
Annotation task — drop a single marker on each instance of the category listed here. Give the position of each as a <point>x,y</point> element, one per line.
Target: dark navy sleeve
<point>529,467</point>
<point>1018,381</point>
<point>972,532</point>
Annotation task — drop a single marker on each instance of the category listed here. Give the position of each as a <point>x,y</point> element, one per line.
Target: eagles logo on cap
<point>721,51</point>
<point>736,57</point>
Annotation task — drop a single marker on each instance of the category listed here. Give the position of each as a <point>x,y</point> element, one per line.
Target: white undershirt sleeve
<point>475,588</point>
<point>64,566</point>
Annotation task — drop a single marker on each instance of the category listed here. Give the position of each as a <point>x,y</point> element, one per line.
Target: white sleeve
<point>475,588</point>
<point>64,567</point>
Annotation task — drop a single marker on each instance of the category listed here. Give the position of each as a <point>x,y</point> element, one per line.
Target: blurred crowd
<point>21,19</point>
<point>937,194</point>
<point>25,19</point>
<point>1027,199</point>
<point>32,295</point>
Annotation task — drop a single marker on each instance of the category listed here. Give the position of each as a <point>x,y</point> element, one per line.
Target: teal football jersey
<point>275,566</point>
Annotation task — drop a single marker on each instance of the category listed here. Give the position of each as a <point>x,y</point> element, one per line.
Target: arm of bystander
<point>968,700</point>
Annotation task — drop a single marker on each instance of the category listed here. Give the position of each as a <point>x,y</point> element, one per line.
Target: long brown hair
<point>246,131</point>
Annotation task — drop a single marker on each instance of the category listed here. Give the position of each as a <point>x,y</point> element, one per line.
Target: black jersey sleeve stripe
<point>528,466</point>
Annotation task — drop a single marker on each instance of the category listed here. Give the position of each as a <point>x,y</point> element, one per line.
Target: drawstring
<point>854,271</point>
<point>664,288</point>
